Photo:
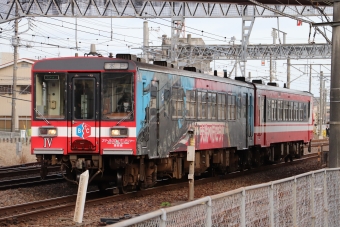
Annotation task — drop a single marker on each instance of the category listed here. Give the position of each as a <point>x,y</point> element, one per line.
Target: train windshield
<point>49,96</point>
<point>118,96</point>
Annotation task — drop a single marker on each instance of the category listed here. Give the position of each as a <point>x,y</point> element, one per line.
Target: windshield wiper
<point>42,116</point>
<point>126,117</point>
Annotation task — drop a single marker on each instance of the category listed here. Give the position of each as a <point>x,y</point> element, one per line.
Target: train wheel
<point>122,182</point>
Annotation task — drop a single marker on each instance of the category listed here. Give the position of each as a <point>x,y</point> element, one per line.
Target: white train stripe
<point>48,151</point>
<point>104,131</point>
<point>283,128</point>
<point>118,151</point>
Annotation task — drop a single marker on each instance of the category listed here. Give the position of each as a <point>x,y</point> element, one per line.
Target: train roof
<point>92,63</point>
<point>198,75</point>
<point>280,89</point>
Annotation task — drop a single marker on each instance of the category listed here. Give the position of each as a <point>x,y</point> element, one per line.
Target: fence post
<point>313,198</point>
<point>294,203</point>
<point>325,203</point>
<point>163,219</point>
<point>208,221</point>
<point>243,208</point>
<point>271,205</point>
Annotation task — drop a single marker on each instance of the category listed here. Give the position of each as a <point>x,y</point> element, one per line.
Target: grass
<point>9,157</point>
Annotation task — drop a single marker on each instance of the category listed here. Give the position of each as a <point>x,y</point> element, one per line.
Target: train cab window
<point>177,103</point>
<point>231,107</point>
<point>84,98</point>
<point>190,105</point>
<point>117,96</point>
<point>49,96</point>
<point>221,107</point>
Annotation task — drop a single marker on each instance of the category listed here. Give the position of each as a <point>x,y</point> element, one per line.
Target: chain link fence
<point>310,199</point>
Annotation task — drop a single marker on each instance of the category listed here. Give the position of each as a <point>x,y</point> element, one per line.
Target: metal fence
<point>14,137</point>
<point>311,199</point>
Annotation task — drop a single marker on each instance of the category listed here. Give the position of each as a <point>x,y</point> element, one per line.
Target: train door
<point>154,120</point>
<point>83,111</point>
<point>245,115</point>
<point>250,122</point>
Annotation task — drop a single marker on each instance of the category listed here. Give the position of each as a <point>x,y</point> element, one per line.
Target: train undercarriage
<point>128,173</point>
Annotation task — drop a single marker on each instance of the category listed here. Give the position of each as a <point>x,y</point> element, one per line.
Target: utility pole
<point>15,43</point>
<point>310,78</point>
<point>270,69</point>
<point>146,40</point>
<point>288,73</point>
<point>334,142</point>
<point>320,121</point>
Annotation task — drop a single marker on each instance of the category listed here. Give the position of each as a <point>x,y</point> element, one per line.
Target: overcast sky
<point>53,37</point>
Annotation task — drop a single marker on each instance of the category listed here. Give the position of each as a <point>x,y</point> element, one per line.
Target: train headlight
<point>119,132</point>
<point>48,131</point>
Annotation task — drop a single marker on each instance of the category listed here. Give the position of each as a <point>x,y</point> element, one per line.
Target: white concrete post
<point>243,209</point>
<point>313,198</point>
<point>209,213</point>
<point>81,196</point>
<point>294,203</point>
<point>325,201</point>
<point>271,205</point>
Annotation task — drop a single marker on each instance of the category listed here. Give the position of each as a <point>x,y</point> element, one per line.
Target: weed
<point>165,204</point>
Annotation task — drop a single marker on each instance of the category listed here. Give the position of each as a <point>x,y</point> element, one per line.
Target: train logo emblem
<point>83,130</point>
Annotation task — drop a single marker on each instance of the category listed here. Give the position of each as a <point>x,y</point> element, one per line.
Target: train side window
<point>269,110</point>
<point>308,106</point>
<point>290,111</point>
<point>204,105</point>
<point>300,113</point>
<point>177,103</point>
<point>263,108</point>
<point>274,110</point>
<point>190,105</point>
<point>231,107</point>
<point>285,111</point>
<point>221,106</point>
<point>279,110</point>
<point>211,105</point>
<point>296,111</point>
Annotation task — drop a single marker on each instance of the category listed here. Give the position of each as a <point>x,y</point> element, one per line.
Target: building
<point>23,95</point>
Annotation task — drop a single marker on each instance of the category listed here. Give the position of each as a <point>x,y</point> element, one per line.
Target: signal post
<point>191,160</point>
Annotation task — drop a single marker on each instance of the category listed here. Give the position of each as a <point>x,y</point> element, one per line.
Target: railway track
<point>30,181</point>
<point>14,171</point>
<point>67,203</point>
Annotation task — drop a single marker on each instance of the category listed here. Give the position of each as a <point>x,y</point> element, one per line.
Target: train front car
<point>82,111</point>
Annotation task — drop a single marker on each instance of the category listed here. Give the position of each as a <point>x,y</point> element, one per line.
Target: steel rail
<point>67,203</point>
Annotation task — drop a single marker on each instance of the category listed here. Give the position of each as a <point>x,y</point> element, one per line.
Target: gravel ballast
<point>140,205</point>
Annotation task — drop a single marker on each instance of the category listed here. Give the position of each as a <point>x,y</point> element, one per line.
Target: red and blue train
<point>128,122</point>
